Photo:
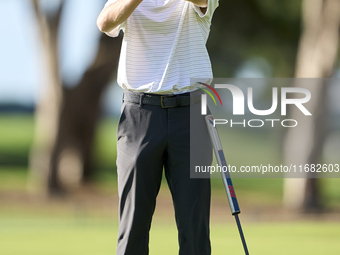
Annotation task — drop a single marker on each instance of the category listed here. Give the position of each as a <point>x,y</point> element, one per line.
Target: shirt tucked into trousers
<point>163,48</point>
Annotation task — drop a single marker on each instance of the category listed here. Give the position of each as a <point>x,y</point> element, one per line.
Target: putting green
<point>69,236</point>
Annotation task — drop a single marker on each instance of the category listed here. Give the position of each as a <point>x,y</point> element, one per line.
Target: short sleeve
<point>211,6</point>
<point>114,32</point>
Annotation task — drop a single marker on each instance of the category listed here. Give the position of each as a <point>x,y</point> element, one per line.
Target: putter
<point>228,185</point>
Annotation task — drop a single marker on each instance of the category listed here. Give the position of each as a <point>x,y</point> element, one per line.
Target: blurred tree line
<point>282,33</point>
<point>255,28</point>
<point>67,116</point>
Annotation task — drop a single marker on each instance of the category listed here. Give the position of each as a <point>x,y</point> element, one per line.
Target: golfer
<point>163,48</point>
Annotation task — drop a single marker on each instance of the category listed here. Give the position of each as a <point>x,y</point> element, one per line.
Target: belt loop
<point>141,95</point>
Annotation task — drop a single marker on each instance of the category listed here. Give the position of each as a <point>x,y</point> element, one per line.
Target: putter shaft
<point>217,145</point>
<point>241,234</point>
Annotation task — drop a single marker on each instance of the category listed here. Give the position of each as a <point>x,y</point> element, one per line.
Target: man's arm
<point>200,3</point>
<point>115,14</point>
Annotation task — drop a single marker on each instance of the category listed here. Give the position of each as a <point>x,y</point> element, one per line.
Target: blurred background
<point>59,107</point>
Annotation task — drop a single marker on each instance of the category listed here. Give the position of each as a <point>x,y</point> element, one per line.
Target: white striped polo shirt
<point>164,46</point>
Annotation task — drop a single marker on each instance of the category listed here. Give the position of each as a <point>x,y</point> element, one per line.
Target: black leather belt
<point>164,101</point>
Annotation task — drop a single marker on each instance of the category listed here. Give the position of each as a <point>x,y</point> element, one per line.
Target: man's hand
<point>115,14</point>
<point>200,3</point>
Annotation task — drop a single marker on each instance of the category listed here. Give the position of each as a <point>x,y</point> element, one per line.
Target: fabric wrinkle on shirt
<point>164,46</point>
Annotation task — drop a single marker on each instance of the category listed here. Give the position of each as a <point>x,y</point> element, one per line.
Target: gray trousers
<point>148,139</point>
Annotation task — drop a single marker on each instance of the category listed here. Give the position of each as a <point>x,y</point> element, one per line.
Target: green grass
<point>13,178</point>
<point>17,134</point>
<point>105,146</point>
<point>244,148</point>
<point>98,236</point>
<point>27,230</point>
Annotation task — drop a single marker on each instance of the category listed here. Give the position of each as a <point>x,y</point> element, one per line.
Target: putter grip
<point>218,150</point>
